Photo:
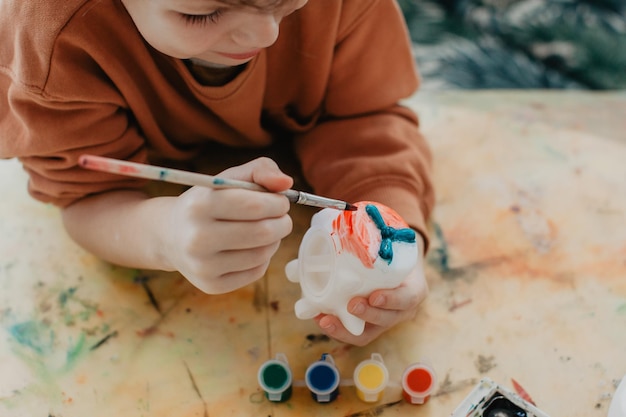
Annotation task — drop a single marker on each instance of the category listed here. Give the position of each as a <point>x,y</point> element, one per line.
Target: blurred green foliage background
<point>577,44</point>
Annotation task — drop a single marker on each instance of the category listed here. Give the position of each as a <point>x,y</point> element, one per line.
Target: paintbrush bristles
<point>322,202</point>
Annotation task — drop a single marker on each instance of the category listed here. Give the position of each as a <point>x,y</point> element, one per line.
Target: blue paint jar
<point>322,379</point>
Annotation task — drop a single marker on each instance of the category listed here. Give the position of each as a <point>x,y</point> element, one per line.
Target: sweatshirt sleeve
<point>49,135</point>
<point>368,146</point>
<point>49,130</point>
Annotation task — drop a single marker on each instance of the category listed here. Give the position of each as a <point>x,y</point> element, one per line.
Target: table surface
<point>527,276</point>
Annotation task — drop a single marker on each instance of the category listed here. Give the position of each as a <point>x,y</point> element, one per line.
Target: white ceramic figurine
<point>351,253</point>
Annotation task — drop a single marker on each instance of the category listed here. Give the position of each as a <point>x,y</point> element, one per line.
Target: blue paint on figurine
<point>388,233</point>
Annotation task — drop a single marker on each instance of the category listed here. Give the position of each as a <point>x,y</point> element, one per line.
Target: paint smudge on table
<point>75,309</point>
<point>33,335</point>
<point>485,364</point>
<point>317,338</point>
<point>540,231</point>
<point>375,411</point>
<point>447,386</point>
<point>439,258</point>
<point>103,340</point>
<point>454,305</point>
<point>143,280</point>
<point>53,337</point>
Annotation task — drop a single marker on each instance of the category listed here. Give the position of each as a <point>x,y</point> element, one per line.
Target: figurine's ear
<point>305,310</point>
<point>291,270</point>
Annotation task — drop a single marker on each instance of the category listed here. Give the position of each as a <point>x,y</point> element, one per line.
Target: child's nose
<point>260,31</point>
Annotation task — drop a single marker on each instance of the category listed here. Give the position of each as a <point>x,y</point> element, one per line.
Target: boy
<point>130,78</point>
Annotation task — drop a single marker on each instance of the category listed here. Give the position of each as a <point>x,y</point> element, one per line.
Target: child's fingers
<point>332,327</point>
<point>386,308</point>
<point>244,260</point>
<point>231,281</point>
<point>262,171</point>
<point>245,235</point>
<point>382,310</point>
<point>405,297</point>
<point>221,272</point>
<point>238,204</point>
<point>377,316</point>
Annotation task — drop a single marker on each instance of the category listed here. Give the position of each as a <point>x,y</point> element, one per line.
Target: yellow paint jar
<point>371,378</point>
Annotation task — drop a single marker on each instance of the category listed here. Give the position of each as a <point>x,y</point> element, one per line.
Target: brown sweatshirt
<point>77,77</point>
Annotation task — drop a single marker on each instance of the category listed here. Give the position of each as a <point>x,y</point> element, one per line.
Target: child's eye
<point>202,19</point>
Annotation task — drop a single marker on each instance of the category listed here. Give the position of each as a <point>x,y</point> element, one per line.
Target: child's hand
<point>382,310</point>
<point>221,240</point>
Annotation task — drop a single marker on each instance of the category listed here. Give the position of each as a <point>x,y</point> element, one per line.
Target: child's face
<point>211,30</point>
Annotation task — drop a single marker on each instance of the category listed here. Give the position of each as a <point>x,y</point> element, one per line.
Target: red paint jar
<point>418,381</point>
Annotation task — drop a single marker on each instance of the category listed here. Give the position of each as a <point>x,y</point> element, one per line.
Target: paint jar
<point>371,378</point>
<point>322,379</point>
<point>418,381</point>
<point>275,378</point>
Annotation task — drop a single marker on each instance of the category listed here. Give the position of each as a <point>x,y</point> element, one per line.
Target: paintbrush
<point>176,176</point>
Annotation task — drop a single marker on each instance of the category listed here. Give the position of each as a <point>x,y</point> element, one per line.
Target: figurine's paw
<point>306,310</point>
<point>352,323</point>
<point>291,270</point>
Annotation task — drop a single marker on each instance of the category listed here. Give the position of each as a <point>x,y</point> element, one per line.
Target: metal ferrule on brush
<point>307,199</point>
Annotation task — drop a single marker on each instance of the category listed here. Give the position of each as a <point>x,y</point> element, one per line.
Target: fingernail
<point>358,308</point>
<point>379,301</point>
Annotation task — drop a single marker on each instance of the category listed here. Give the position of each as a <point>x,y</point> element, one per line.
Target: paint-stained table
<point>527,272</point>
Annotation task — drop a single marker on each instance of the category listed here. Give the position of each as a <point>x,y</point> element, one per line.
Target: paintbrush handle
<point>176,176</point>
<point>151,172</point>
